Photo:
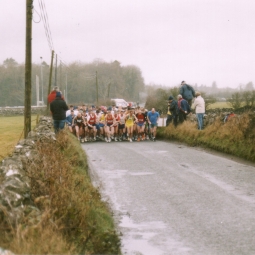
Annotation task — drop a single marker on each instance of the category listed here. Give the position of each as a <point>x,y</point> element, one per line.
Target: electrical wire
<point>44,17</point>
<point>37,14</point>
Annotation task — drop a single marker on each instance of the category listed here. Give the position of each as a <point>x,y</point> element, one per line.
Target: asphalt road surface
<point>168,198</point>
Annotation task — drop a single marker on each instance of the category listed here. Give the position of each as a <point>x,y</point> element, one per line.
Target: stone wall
<point>15,202</point>
<point>14,111</point>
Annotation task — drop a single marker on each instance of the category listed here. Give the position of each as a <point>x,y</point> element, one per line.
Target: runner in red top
<point>140,125</point>
<point>109,123</point>
<point>92,125</point>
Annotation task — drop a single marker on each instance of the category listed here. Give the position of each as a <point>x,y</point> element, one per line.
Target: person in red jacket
<point>52,94</point>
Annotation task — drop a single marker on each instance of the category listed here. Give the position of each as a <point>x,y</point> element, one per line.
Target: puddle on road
<point>151,238</point>
<point>137,240</point>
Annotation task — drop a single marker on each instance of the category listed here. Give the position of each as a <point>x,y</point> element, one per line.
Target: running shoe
<point>116,139</point>
<point>130,140</point>
<point>95,139</point>
<point>82,140</point>
<point>109,140</point>
<point>147,137</point>
<point>86,140</point>
<point>106,139</point>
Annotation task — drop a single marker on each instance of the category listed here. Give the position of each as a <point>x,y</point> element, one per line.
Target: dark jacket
<point>187,92</point>
<point>173,107</point>
<point>58,107</point>
<point>183,106</point>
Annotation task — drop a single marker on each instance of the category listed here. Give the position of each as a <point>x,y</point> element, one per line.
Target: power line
<point>44,17</point>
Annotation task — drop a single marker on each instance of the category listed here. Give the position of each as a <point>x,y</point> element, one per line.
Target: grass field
<point>219,105</point>
<point>11,131</point>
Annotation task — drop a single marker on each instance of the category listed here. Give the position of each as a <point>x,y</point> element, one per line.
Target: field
<point>11,131</point>
<point>219,105</point>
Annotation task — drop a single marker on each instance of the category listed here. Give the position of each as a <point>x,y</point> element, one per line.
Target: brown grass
<point>236,137</point>
<point>74,218</point>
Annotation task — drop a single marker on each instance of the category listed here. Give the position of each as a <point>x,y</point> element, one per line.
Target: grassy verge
<point>236,137</point>
<point>11,130</point>
<point>74,218</point>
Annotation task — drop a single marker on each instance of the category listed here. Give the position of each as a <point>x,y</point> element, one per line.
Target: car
<point>119,102</point>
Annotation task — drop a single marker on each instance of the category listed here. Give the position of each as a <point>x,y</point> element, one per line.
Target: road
<point>171,199</point>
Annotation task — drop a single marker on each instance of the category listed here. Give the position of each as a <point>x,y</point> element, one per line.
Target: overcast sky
<point>199,41</point>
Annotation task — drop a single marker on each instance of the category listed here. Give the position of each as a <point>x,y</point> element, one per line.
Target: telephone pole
<point>50,79</point>
<point>56,69</point>
<point>97,87</point>
<point>28,69</point>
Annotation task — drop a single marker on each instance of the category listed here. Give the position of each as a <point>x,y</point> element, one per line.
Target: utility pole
<point>60,73</point>
<point>66,89</point>
<point>56,69</point>
<point>42,80</point>
<point>28,68</point>
<point>50,79</point>
<point>97,87</point>
<point>109,86</point>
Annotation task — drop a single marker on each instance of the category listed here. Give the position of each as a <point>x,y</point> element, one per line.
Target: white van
<point>120,102</point>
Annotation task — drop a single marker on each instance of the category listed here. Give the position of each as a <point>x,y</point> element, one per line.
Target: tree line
<point>76,80</point>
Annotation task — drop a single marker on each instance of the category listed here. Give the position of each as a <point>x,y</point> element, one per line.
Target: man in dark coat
<point>184,108</point>
<point>172,111</point>
<point>187,92</point>
<point>58,107</point>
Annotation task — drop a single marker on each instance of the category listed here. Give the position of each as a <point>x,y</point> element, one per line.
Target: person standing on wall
<point>187,92</point>
<point>184,108</point>
<point>172,111</point>
<point>199,104</point>
<point>58,107</point>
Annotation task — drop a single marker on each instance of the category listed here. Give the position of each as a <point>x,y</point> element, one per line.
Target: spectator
<point>187,92</point>
<point>172,111</point>
<point>58,108</point>
<point>183,107</point>
<point>229,116</point>
<point>199,104</point>
<point>52,95</point>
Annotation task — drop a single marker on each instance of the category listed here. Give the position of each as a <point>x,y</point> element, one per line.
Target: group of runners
<point>112,124</point>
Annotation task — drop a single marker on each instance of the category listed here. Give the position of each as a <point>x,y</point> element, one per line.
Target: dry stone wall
<point>15,202</point>
<point>15,111</point>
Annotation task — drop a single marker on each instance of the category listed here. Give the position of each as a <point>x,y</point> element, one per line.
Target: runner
<point>91,120</point>
<point>140,125</point>
<point>116,125</point>
<point>79,123</point>
<point>130,120</point>
<point>109,122</point>
<point>122,128</point>
<point>102,125</point>
<point>153,117</point>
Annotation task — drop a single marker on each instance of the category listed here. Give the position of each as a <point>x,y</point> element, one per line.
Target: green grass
<point>11,131</point>
<point>219,105</point>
